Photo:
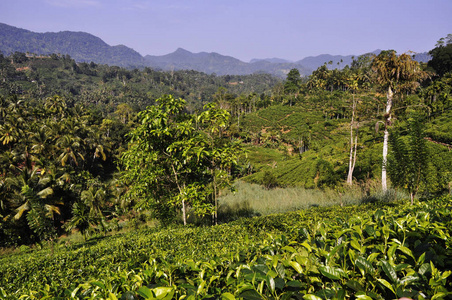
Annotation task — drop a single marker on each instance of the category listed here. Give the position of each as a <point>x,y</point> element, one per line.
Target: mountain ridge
<point>85,47</point>
<point>82,46</point>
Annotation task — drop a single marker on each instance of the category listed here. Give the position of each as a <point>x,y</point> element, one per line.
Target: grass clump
<point>250,199</point>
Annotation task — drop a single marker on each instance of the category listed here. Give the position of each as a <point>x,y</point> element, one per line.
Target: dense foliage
<point>51,155</point>
<point>104,87</point>
<point>177,160</point>
<point>60,154</point>
<point>358,252</point>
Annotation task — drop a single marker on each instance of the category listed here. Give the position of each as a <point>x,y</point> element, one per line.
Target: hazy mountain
<point>422,57</point>
<point>205,62</point>
<point>220,64</point>
<point>80,46</point>
<point>85,47</point>
<point>272,60</point>
<point>339,61</point>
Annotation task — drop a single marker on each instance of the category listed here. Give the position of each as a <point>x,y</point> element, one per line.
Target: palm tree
<point>41,141</point>
<point>9,134</point>
<point>56,107</point>
<point>69,150</point>
<point>88,211</point>
<point>30,195</point>
<point>394,74</point>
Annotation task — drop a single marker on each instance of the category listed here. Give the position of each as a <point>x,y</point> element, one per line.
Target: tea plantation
<point>370,251</point>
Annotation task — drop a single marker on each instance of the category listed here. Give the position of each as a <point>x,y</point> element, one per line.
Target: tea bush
<point>371,251</point>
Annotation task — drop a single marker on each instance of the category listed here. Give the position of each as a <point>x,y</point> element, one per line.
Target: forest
<point>159,164</point>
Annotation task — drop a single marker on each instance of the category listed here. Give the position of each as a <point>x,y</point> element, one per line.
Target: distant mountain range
<point>85,47</point>
<point>220,64</point>
<point>80,46</point>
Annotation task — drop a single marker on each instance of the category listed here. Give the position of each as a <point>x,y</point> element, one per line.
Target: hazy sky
<point>245,29</point>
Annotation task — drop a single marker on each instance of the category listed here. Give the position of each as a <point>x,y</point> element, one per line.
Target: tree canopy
<point>173,157</point>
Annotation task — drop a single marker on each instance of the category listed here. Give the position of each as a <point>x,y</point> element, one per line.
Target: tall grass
<point>252,199</point>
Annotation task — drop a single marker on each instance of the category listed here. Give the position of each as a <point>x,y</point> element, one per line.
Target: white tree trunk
<point>184,212</point>
<point>351,162</point>
<point>389,96</point>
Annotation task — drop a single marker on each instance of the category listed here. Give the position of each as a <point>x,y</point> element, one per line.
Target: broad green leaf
<point>296,266</point>
<point>280,283</point>
<point>372,257</point>
<point>289,249</point>
<point>409,279</point>
<point>352,254</point>
<point>307,246</point>
<point>330,272</point>
<point>370,230</point>
<point>424,268</point>
<point>391,252</point>
<point>439,295</point>
<point>294,283</point>
<point>386,284</point>
<point>281,270</point>
<point>99,284</point>
<point>355,244</point>
<point>229,278</point>
<point>112,296</point>
<point>146,293</point>
<point>271,283</point>
<point>407,251</point>
<point>275,259</point>
<point>326,293</point>
<point>244,287</point>
<point>128,296</point>
<point>445,275</point>
<point>355,285</point>
<point>341,294</point>
<point>250,295</point>
<point>74,292</point>
<point>333,252</point>
<point>272,273</point>
<point>163,293</point>
<point>201,287</point>
<point>389,271</point>
<point>421,259</point>
<point>227,296</point>
<point>364,266</point>
<point>215,277</point>
<point>363,297</point>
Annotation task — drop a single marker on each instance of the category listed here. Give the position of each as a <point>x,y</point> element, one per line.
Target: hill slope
<point>220,64</point>
<point>81,46</point>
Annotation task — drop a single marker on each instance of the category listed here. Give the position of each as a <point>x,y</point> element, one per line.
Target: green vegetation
<point>363,252</point>
<point>176,160</point>
<point>92,150</point>
<point>104,87</point>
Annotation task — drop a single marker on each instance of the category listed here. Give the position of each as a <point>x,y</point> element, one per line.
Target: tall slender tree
<point>395,75</point>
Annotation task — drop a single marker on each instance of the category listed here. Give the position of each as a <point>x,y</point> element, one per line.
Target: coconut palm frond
<point>21,209</point>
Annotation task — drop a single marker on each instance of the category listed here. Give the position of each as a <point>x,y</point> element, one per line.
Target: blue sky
<point>245,29</point>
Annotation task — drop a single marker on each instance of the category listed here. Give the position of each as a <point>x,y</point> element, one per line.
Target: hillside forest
<point>86,146</point>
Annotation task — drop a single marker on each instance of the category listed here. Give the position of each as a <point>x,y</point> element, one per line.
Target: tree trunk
<point>184,213</point>
<point>215,213</point>
<point>389,96</point>
<point>352,160</point>
<point>181,192</point>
